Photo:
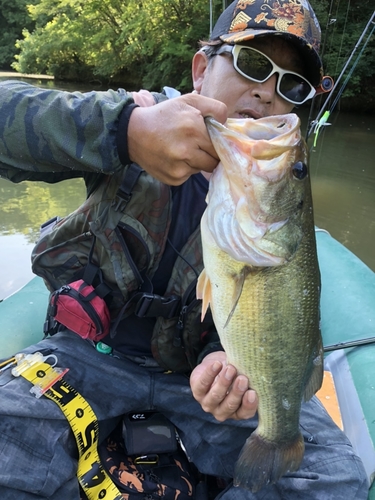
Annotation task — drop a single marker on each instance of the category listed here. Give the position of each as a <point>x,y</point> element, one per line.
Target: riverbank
<point>356,104</point>
<point>14,74</point>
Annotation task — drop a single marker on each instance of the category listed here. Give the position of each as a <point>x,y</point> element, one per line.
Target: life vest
<point>122,228</point>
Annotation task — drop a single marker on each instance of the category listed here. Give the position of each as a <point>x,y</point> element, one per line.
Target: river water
<point>343,181</point>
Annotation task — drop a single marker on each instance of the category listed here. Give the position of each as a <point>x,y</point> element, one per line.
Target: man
<point>47,135</point>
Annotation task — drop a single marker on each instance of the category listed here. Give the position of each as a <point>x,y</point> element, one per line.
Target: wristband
<point>122,133</point>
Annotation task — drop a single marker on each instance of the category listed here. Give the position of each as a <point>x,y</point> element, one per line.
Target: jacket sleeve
<point>45,132</point>
<point>211,343</point>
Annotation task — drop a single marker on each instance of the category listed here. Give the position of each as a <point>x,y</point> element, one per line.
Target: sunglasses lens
<point>254,64</point>
<point>257,67</point>
<point>294,88</point>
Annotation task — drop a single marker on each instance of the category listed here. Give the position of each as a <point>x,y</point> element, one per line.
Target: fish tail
<point>263,462</point>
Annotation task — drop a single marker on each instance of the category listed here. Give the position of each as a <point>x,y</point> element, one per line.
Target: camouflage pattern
<point>141,229</point>
<point>189,330</point>
<point>61,256</point>
<point>28,147</point>
<point>128,242</point>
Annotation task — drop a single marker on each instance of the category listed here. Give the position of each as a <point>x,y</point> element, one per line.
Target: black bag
<point>148,432</point>
<point>149,476</point>
<point>166,475</point>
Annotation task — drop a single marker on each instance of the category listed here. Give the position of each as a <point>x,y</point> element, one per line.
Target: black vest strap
<point>150,305</point>
<point>93,275</point>
<point>124,192</point>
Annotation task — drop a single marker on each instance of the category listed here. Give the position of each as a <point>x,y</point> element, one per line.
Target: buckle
<point>120,202</point>
<point>151,306</point>
<point>47,226</point>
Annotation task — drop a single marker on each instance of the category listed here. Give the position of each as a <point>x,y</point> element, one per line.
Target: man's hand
<point>220,391</point>
<point>170,139</point>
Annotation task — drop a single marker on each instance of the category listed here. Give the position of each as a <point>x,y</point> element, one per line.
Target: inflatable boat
<point>348,328</point>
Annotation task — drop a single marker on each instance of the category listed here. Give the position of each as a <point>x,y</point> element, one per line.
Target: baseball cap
<point>293,20</point>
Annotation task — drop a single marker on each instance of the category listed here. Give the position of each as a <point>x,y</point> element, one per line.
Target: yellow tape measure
<point>48,381</point>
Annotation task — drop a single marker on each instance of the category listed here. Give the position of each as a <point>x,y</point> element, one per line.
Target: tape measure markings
<point>48,381</point>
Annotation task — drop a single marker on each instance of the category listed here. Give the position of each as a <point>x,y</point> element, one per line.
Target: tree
<point>150,43</point>
<point>173,42</point>
<point>140,42</point>
<point>13,17</point>
<point>342,26</point>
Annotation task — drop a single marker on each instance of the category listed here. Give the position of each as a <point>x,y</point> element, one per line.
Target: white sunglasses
<point>257,67</point>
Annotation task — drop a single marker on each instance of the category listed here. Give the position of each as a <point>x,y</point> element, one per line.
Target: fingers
<point>207,106</point>
<point>203,156</point>
<point>221,392</point>
<point>143,98</point>
<point>202,379</point>
<point>170,140</point>
<point>249,405</point>
<point>230,397</point>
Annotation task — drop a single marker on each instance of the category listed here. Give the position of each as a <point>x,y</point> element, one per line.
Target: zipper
<point>128,256</point>
<point>135,233</point>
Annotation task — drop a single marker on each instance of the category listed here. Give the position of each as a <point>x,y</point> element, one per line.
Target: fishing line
<point>335,24</point>
<point>346,81</point>
<point>342,38</point>
<point>320,119</point>
<point>318,159</point>
<point>328,23</point>
<point>183,258</point>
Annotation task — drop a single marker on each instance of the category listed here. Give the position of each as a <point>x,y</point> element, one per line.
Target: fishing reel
<point>326,85</point>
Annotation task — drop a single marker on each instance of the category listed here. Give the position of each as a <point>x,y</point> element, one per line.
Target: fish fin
<point>262,462</point>
<point>316,375</point>
<point>204,291</point>
<point>239,282</point>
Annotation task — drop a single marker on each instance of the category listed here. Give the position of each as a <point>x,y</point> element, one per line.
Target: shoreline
<point>356,104</point>
<point>14,74</point>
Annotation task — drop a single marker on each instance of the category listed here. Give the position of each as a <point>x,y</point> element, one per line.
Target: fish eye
<point>299,170</point>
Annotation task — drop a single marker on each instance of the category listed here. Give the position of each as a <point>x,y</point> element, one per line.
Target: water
<point>24,207</point>
<point>343,182</point>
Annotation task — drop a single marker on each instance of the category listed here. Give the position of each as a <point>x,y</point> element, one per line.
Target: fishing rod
<point>351,343</point>
<point>224,6</point>
<point>321,119</point>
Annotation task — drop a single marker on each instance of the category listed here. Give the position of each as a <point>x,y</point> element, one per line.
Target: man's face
<point>246,99</point>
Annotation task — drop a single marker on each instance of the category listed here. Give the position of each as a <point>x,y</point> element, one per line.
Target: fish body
<point>261,280</point>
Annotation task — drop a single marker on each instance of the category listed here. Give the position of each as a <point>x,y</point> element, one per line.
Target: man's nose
<point>265,91</point>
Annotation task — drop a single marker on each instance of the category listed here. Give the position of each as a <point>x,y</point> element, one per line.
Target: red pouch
<point>78,307</point>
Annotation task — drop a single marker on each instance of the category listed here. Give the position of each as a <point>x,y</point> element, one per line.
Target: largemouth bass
<point>261,279</point>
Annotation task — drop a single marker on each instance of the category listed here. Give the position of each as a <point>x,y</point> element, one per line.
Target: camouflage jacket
<point>51,141</point>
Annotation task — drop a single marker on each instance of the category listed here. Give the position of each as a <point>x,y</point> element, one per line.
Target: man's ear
<point>199,67</point>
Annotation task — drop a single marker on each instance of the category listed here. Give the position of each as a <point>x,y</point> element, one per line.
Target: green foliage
<point>150,43</point>
<point>13,18</point>
<point>342,26</point>
<point>175,41</point>
<point>140,42</point>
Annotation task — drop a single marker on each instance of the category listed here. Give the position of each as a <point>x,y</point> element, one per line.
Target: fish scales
<point>262,282</point>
